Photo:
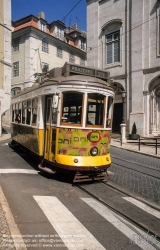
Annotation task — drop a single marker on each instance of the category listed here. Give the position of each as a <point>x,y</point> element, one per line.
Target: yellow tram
<point>66,119</point>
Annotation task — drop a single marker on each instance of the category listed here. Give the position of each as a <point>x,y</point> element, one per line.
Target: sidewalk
<point>5,137</point>
<point>146,149</point>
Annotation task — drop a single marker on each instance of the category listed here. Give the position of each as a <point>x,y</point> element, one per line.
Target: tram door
<point>48,154</point>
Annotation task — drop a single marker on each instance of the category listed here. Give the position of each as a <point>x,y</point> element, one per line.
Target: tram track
<point>130,222</point>
<point>143,169</point>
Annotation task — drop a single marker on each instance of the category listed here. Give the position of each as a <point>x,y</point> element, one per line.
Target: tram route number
<point>101,74</point>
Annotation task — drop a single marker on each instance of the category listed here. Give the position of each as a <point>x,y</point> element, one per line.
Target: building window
<point>15,69</point>
<point>113,48</point>
<point>59,52</point>
<point>83,45</point>
<point>45,46</point>
<point>42,26</point>
<point>45,67</point>
<point>82,61</point>
<point>71,58</point>
<point>60,33</point>
<point>15,44</point>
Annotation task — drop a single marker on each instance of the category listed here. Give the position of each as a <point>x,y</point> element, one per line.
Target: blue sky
<point>53,9</point>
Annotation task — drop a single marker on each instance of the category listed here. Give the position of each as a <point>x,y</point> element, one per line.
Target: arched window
<point>112,42</point>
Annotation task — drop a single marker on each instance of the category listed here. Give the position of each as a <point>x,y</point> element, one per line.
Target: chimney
<point>41,15</point>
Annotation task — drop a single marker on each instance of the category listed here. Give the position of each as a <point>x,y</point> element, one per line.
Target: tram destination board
<point>70,69</point>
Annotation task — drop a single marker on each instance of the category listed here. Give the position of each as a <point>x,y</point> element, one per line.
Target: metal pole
<point>123,121</point>
<point>139,143</point>
<point>156,146</point>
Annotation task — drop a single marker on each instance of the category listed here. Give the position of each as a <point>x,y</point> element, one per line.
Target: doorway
<point>117,117</point>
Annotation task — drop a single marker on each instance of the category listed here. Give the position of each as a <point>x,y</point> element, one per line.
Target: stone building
<point>5,60</point>
<point>123,36</point>
<point>38,46</point>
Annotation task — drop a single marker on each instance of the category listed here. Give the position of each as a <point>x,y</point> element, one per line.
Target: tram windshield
<point>90,110</point>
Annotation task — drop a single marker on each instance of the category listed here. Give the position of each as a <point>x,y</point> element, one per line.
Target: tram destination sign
<point>76,69</point>
<point>81,70</point>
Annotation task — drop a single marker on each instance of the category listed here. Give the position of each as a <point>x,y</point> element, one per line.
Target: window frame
<point>15,72</point>
<point>45,46</point>
<point>71,57</point>
<point>15,45</point>
<point>59,53</point>
<point>112,42</point>
<point>43,67</point>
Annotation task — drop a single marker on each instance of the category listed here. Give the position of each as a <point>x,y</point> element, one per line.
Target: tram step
<point>45,169</point>
<point>80,177</point>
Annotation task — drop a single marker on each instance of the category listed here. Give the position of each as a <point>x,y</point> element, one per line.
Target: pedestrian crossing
<point>71,231</point>
<point>17,171</point>
<point>76,236</point>
<point>143,206</point>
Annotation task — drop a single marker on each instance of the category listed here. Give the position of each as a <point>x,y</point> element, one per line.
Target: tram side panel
<point>31,137</point>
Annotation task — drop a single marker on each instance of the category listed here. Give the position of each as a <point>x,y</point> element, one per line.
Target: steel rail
<point>126,217</point>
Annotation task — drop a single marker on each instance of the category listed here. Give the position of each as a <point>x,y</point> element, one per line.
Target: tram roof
<point>80,80</point>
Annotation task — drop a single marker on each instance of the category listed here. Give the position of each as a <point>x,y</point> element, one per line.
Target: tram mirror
<point>55,102</point>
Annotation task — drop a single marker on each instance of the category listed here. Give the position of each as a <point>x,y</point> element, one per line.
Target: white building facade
<point>5,60</point>
<point>123,37</point>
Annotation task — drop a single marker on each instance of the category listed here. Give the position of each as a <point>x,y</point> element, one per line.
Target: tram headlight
<point>94,151</point>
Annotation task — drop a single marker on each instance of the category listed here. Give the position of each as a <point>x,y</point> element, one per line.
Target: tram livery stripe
<point>136,235</point>
<point>72,232</point>
<point>17,171</point>
<point>143,206</point>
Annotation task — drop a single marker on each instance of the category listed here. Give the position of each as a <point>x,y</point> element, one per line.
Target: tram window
<point>13,112</point>
<point>48,112</point>
<point>24,106</point>
<point>16,112</point>
<point>54,116</point>
<point>109,112</point>
<point>20,112</point>
<point>28,118</point>
<point>95,109</point>
<point>34,111</point>
<point>72,107</point>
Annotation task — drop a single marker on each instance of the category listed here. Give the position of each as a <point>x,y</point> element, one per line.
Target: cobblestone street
<point>136,182</point>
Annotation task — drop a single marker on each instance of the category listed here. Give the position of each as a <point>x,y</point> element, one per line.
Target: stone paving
<point>137,183</point>
<point>5,234</point>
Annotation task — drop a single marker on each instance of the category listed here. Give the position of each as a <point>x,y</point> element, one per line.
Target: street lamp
<point>123,95</point>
